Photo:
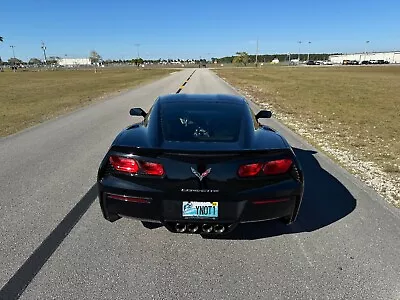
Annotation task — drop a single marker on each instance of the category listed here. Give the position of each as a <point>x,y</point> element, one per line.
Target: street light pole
<point>299,50</point>
<point>137,46</point>
<point>257,54</point>
<point>308,55</point>
<point>12,46</point>
<point>44,52</point>
<point>14,68</point>
<point>366,44</point>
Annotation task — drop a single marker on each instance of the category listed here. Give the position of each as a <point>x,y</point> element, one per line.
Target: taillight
<point>274,167</point>
<point>133,166</point>
<point>152,168</point>
<point>123,164</point>
<point>249,170</point>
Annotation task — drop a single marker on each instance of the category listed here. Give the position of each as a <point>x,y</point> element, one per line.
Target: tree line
<point>251,58</point>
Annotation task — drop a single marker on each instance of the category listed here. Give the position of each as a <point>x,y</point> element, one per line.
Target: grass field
<point>28,98</point>
<point>353,111</point>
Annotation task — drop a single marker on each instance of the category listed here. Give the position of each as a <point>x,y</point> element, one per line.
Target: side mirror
<point>264,114</point>
<point>137,112</point>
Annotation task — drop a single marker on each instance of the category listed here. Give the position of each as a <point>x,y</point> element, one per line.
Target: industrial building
<point>74,61</point>
<point>392,57</point>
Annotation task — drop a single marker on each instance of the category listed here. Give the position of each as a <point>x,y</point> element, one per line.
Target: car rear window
<point>201,121</point>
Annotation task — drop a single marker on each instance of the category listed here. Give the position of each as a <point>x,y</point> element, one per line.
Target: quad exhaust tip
<point>180,227</point>
<point>206,228</point>
<point>193,228</point>
<point>219,228</point>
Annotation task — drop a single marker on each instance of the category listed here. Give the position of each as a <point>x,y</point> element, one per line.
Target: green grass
<point>356,108</point>
<point>28,98</point>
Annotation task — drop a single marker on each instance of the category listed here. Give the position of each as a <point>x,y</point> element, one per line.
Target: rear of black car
<point>203,176</point>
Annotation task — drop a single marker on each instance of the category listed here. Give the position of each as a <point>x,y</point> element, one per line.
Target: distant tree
<point>241,58</point>
<point>34,61</point>
<point>95,59</point>
<point>14,61</point>
<point>137,61</point>
<point>52,60</point>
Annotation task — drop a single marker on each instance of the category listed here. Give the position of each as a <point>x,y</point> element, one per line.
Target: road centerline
<point>185,82</point>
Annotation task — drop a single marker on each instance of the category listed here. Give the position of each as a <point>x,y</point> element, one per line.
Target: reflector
<point>270,201</point>
<point>128,198</point>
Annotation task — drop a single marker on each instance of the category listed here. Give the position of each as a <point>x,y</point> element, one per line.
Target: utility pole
<point>366,44</point>
<point>12,46</point>
<point>14,68</point>
<point>137,60</point>
<point>44,52</point>
<point>308,55</point>
<point>299,51</point>
<point>257,54</point>
<point>137,46</point>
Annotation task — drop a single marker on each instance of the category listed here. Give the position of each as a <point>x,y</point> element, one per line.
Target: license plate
<point>192,209</point>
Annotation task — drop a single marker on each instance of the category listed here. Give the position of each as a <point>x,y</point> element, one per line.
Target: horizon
<point>119,30</point>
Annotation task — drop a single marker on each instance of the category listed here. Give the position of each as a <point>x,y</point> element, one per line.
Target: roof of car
<point>202,97</point>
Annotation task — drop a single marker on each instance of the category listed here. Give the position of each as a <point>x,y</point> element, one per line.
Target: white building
<point>74,61</point>
<point>392,57</point>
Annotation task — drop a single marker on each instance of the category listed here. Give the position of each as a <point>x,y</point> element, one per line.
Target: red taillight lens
<point>249,170</point>
<point>276,167</point>
<point>152,168</point>
<point>123,164</point>
<point>132,166</point>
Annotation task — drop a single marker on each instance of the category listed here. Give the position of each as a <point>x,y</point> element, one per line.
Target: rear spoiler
<point>203,153</point>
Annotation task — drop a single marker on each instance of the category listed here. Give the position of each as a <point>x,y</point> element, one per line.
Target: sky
<point>192,29</point>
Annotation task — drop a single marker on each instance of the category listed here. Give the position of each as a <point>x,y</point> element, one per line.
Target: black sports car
<point>200,164</point>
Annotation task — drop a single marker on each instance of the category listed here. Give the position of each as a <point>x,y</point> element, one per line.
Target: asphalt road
<point>56,245</point>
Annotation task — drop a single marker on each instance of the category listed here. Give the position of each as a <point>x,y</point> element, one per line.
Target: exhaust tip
<point>180,227</point>
<point>193,228</point>
<point>207,228</point>
<point>219,228</point>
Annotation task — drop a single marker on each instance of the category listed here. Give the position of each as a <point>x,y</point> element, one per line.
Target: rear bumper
<point>269,202</point>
